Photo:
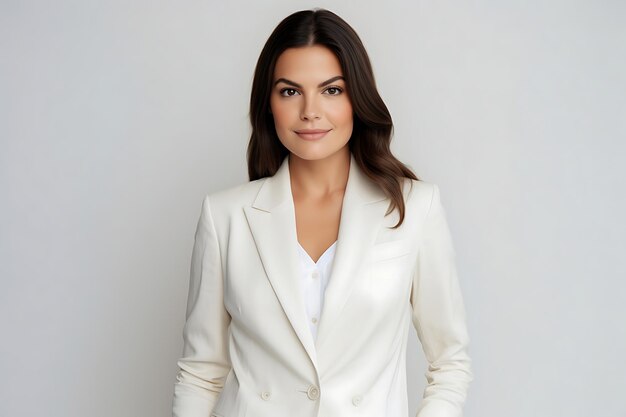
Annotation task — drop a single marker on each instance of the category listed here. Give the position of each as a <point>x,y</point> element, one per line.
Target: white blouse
<point>313,281</point>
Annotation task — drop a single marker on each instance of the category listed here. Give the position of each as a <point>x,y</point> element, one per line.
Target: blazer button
<point>313,392</point>
<point>356,400</point>
<point>266,395</point>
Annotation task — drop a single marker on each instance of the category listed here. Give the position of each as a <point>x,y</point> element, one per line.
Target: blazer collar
<point>271,218</point>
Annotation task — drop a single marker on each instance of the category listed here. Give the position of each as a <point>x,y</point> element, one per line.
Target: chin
<point>314,154</point>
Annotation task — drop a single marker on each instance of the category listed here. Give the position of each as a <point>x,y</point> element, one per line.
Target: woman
<point>304,281</point>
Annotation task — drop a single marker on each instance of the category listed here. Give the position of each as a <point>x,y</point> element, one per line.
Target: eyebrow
<point>322,84</point>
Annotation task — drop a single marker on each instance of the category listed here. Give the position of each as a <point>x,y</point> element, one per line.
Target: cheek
<point>282,115</point>
<point>342,114</point>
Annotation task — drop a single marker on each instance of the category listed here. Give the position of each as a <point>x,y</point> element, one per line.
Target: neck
<point>321,177</point>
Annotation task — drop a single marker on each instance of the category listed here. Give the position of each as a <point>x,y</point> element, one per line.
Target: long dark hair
<point>372,124</point>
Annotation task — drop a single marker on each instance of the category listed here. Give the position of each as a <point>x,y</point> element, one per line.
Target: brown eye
<point>334,91</point>
<point>288,92</point>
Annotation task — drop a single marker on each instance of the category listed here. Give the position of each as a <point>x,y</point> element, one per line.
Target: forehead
<point>308,63</point>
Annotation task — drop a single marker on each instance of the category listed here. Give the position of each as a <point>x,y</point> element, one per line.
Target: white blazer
<point>248,350</point>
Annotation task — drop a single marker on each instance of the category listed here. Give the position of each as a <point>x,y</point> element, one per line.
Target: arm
<point>439,318</point>
<point>205,362</point>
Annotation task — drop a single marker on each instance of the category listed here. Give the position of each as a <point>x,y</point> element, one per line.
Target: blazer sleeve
<point>438,314</point>
<point>205,361</point>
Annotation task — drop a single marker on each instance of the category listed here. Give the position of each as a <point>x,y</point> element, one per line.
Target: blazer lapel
<point>362,215</point>
<point>272,221</point>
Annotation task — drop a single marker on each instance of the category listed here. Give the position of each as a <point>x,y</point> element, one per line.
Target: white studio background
<point>117,117</point>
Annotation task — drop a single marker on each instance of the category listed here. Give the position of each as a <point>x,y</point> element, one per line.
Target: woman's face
<point>311,108</point>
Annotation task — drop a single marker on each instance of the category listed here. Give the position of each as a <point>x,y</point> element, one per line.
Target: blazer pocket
<point>389,250</point>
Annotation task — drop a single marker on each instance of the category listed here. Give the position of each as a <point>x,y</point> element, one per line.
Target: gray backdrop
<point>116,118</point>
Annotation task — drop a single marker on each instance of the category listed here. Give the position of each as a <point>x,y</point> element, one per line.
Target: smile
<point>312,134</point>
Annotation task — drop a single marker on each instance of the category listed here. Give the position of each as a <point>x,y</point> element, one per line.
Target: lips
<point>312,134</point>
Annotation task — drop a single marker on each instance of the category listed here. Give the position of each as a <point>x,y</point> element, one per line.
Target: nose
<point>310,110</point>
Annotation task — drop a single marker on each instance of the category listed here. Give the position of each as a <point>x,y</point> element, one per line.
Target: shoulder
<point>419,192</point>
<point>225,201</point>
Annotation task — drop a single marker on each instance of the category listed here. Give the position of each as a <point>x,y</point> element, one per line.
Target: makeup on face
<point>310,105</point>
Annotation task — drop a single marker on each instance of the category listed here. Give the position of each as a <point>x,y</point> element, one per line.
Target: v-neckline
<point>321,256</point>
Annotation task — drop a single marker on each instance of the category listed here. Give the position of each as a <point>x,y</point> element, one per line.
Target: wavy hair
<point>372,124</point>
